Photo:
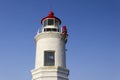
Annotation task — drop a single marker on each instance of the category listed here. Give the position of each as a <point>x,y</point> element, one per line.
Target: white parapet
<point>50,73</point>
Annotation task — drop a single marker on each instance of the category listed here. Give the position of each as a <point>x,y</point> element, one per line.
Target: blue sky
<point>93,44</point>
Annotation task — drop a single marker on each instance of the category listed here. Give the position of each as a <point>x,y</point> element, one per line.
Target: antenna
<point>50,5</point>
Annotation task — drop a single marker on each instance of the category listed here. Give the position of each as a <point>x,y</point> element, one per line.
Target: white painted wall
<point>56,44</point>
<point>50,41</point>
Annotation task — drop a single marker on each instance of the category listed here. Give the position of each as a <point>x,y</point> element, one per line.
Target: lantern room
<point>50,23</point>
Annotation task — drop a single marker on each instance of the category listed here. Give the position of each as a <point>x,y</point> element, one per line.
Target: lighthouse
<point>50,60</point>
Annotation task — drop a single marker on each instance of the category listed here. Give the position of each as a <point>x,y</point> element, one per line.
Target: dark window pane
<point>45,22</point>
<point>51,30</point>
<point>54,29</point>
<point>49,59</point>
<point>50,22</point>
<point>48,29</point>
<point>56,23</point>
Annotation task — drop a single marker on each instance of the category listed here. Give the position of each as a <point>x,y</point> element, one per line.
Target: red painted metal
<point>51,15</point>
<point>64,29</point>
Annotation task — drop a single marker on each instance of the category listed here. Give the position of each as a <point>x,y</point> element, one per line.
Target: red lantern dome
<point>51,15</point>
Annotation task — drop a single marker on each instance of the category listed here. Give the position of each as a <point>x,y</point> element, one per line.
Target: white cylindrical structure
<point>50,41</point>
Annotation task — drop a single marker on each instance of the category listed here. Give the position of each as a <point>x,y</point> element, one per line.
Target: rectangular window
<point>53,29</point>
<point>50,22</point>
<point>49,58</point>
<point>56,23</point>
<point>45,22</point>
<point>50,29</point>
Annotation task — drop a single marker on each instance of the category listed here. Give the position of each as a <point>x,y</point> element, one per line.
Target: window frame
<point>47,60</point>
<point>55,22</point>
<point>50,22</point>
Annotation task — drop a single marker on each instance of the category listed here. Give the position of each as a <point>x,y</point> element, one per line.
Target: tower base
<point>50,73</point>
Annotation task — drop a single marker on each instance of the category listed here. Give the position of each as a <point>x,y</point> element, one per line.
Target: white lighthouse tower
<point>50,62</point>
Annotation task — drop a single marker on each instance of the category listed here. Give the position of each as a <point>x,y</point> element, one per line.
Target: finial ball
<point>51,13</point>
